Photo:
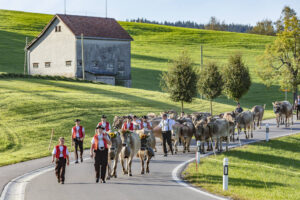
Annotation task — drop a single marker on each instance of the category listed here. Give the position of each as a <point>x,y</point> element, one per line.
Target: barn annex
<point>57,50</point>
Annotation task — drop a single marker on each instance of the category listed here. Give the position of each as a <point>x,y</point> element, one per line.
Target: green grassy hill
<point>30,108</point>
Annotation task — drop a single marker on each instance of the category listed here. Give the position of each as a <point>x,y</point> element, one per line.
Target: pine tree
<point>210,83</point>
<point>180,81</point>
<point>236,78</point>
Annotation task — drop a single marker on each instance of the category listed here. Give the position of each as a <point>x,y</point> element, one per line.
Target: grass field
<point>29,108</point>
<point>269,171</point>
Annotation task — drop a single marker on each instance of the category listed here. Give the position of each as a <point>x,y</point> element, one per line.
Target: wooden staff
<point>52,133</point>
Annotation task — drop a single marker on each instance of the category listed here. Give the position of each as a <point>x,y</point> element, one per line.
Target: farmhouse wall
<point>112,56</point>
<point>52,51</point>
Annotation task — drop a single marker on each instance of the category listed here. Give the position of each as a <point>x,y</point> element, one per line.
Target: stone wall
<point>111,56</point>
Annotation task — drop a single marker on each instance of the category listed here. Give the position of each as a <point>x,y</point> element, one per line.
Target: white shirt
<point>137,124</point>
<point>61,148</point>
<point>100,141</point>
<point>166,125</point>
<point>145,125</point>
<point>77,131</point>
<point>104,125</point>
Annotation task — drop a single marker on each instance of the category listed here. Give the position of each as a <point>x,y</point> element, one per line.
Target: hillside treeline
<point>263,27</point>
<point>213,24</point>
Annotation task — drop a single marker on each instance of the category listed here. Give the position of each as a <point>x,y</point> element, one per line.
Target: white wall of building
<point>56,48</point>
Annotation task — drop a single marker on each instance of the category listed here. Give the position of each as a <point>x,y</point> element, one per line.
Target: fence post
<point>225,174</point>
<point>198,153</point>
<point>267,132</point>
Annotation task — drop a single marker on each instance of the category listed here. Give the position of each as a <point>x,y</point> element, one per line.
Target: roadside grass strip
<point>264,170</point>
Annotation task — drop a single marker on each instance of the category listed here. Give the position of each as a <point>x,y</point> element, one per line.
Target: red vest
<point>80,132</point>
<point>96,140</point>
<point>58,151</point>
<point>130,127</point>
<point>148,125</point>
<point>106,127</point>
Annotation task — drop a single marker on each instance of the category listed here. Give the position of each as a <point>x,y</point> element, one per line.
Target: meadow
<point>264,170</point>
<point>30,108</point>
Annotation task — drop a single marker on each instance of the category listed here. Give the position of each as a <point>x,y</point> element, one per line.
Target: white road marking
<point>15,189</point>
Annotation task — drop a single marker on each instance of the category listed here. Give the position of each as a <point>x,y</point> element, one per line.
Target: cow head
<point>276,107</point>
<point>118,121</point>
<point>200,128</point>
<point>126,140</point>
<point>112,151</point>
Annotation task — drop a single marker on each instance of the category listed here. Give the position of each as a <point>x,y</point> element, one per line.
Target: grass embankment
<point>258,171</point>
<point>30,108</point>
<point>152,48</point>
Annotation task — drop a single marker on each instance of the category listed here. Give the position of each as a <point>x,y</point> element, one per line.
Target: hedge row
<point>46,77</point>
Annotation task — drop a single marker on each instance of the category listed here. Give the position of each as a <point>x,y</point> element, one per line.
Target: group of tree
<point>268,27</point>
<point>213,24</point>
<point>183,82</point>
<point>280,62</point>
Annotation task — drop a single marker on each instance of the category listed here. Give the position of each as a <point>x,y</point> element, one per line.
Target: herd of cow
<point>201,125</point>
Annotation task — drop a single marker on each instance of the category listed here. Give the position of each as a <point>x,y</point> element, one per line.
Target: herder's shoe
<point>97,180</point>
<point>76,162</point>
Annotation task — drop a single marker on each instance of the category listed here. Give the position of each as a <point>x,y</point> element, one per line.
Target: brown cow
<point>244,120</point>
<point>258,114</point>
<point>131,145</point>
<point>202,133</point>
<point>145,152</point>
<point>283,108</point>
<point>113,154</point>
<point>230,117</point>
<point>219,129</point>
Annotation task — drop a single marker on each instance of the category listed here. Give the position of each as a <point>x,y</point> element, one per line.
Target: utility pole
<point>105,8</point>
<point>25,55</point>
<point>82,57</point>
<point>65,5</point>
<point>201,57</point>
<point>201,50</point>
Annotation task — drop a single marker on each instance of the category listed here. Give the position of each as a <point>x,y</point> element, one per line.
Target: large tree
<point>210,83</point>
<point>281,59</point>
<point>236,77</point>
<point>180,81</point>
<point>264,27</point>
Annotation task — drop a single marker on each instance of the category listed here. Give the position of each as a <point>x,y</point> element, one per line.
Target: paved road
<point>159,184</point>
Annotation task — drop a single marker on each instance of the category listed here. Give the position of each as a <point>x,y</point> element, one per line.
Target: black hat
<point>134,116</point>
<point>100,127</point>
<point>103,116</point>
<point>145,117</point>
<point>129,117</point>
<point>165,115</point>
<point>77,120</point>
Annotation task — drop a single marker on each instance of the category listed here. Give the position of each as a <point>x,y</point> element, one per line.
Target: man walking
<point>99,150</point>
<point>238,109</point>
<point>145,124</point>
<point>128,125</point>
<point>61,154</point>
<point>78,135</point>
<point>166,128</point>
<point>105,124</point>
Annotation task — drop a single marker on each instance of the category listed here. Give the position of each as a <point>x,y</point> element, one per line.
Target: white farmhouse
<point>57,50</point>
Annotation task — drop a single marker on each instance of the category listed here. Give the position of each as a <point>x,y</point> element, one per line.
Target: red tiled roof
<point>95,27</point>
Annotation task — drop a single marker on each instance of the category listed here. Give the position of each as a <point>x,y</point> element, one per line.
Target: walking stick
<point>52,133</point>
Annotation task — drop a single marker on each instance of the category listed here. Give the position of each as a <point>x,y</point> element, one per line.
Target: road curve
<point>163,181</point>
